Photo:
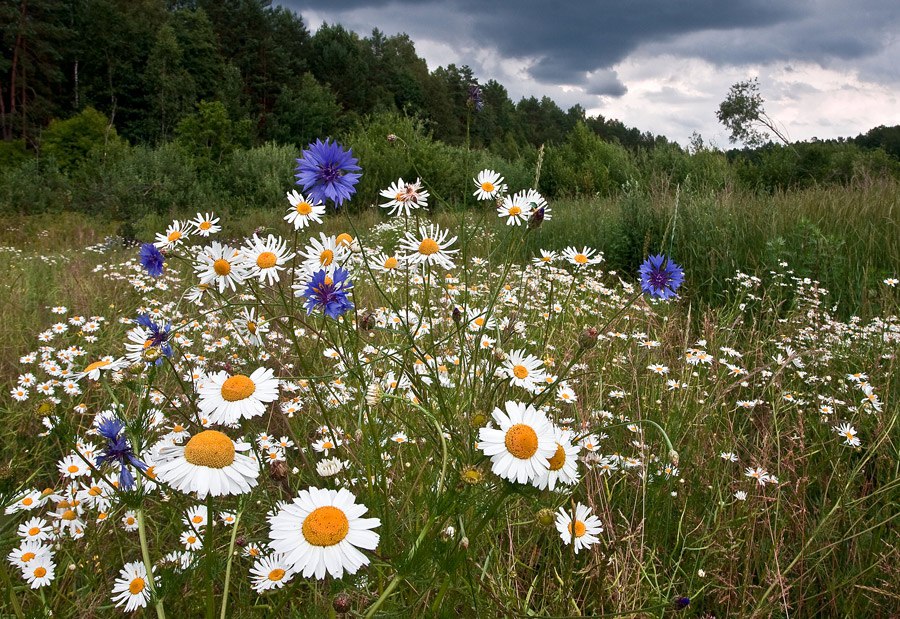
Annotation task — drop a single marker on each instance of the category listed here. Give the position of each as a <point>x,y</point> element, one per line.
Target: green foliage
<point>585,165</point>
<point>209,134</point>
<point>12,153</point>
<point>304,113</point>
<point>69,142</point>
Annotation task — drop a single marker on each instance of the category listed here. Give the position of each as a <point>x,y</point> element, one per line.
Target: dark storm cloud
<point>569,39</point>
<point>577,42</point>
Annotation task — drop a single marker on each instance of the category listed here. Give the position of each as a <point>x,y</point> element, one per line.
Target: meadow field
<point>462,405</point>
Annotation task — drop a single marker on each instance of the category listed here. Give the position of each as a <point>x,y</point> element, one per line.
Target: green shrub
<point>70,142</point>
<point>585,165</point>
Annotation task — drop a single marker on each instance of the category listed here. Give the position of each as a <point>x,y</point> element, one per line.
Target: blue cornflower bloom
<point>159,336</point>
<point>329,292</point>
<point>660,277</point>
<point>152,259</point>
<point>118,449</point>
<point>328,172</point>
<point>475,98</point>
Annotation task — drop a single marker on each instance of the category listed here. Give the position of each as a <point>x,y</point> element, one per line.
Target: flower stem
<point>148,565</point>
<point>13,599</point>
<point>234,529</point>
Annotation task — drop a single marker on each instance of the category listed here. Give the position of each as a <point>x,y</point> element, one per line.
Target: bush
<point>70,142</point>
<point>585,165</point>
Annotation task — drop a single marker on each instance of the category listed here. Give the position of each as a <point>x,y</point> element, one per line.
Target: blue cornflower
<point>475,98</point>
<point>159,336</point>
<point>152,259</point>
<point>118,449</point>
<point>660,277</point>
<point>328,172</point>
<point>329,292</point>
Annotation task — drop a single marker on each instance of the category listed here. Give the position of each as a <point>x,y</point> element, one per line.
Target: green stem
<point>234,529</point>
<point>13,600</point>
<point>208,543</point>
<point>148,565</point>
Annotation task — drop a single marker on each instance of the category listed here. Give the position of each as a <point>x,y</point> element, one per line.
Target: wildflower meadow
<point>426,411</point>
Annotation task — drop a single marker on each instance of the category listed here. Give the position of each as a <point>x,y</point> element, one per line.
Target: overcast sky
<point>826,68</point>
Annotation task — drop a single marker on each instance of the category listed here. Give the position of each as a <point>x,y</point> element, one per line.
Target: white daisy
<point>563,463</point>
<point>27,552</point>
<point>324,253</point>
<point>404,198</point>
<point>432,247</point>
<point>584,257</point>
<point>303,210</point>
<point>521,448</point>
<point>175,234</point>
<point>490,185</point>
<point>221,266</point>
<point>40,571</point>
<point>131,587</point>
<point>583,530</point>
<point>264,259</point>
<point>227,399</point>
<point>249,328</point>
<point>524,370</point>
<point>322,530</point>
<point>205,224</point>
<point>271,572</point>
<point>35,529</point>
<point>209,464</point>
<point>514,209</point>
<point>105,364</point>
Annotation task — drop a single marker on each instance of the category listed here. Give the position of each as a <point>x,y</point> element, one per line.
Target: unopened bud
<point>464,542</point>
<point>471,475</point>
<point>478,420</point>
<point>367,321</point>
<point>240,541</point>
<point>374,394</point>
<point>457,315</point>
<point>536,219</point>
<point>342,603</point>
<point>587,339</point>
<point>278,470</point>
<point>673,457</point>
<point>391,138</point>
<point>546,517</point>
<point>151,354</point>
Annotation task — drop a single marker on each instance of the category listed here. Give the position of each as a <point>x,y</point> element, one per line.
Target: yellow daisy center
<point>304,208</point>
<point>251,327</point>
<point>205,225</point>
<point>391,263</point>
<point>34,531</point>
<point>27,501</point>
<point>237,387</point>
<point>276,574</point>
<point>266,260</point>
<point>487,186</point>
<point>326,257</point>
<point>174,235</point>
<point>72,468</point>
<point>197,519</point>
<point>580,259</point>
<point>579,528</point>
<point>68,515</point>
<point>28,556</point>
<point>222,267</point>
<point>136,586</point>
<point>40,572</point>
<point>520,371</point>
<point>521,441</point>
<point>515,210</point>
<point>558,459</point>
<point>325,526</point>
<point>191,539</point>
<point>210,448</point>
<point>96,365</point>
<point>344,239</point>
<point>428,247</point>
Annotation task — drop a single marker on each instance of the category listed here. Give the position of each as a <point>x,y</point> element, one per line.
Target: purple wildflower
<point>329,292</point>
<point>660,277</point>
<point>328,172</point>
<point>152,259</point>
<point>118,449</point>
